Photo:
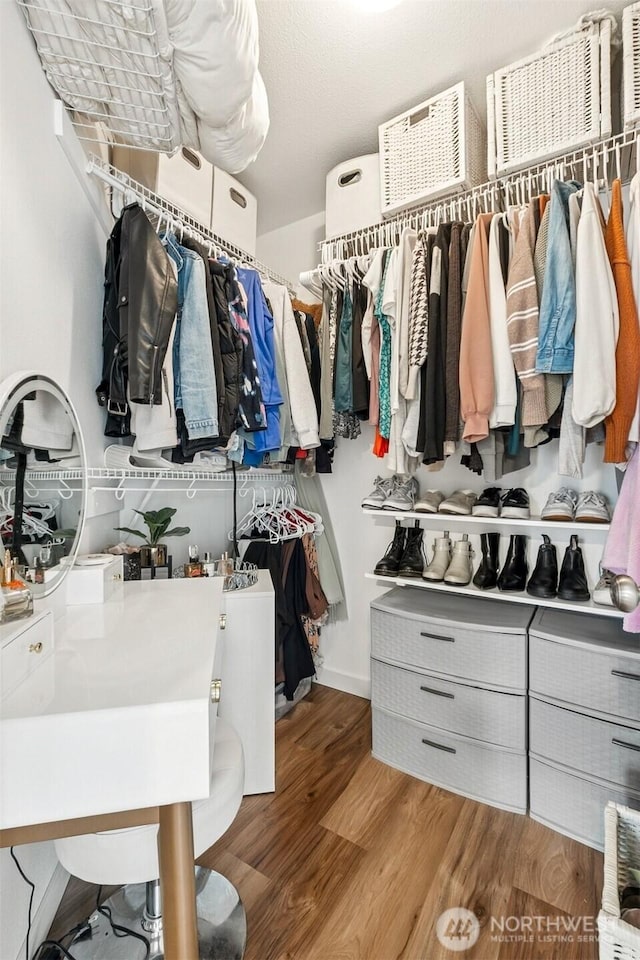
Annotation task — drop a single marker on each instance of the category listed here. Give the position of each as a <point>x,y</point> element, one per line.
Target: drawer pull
<point>439,693</point>
<point>627,746</point>
<point>625,676</point>
<point>223,621</point>
<point>439,746</point>
<point>35,647</point>
<point>434,636</point>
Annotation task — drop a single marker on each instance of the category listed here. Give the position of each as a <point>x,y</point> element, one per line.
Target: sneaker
<point>592,508</point>
<point>429,502</point>
<point>460,502</point>
<point>602,591</point>
<point>515,504</point>
<point>403,495</point>
<point>560,505</point>
<point>488,503</point>
<point>381,490</point>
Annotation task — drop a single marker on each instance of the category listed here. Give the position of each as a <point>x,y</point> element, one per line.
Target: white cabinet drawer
<point>572,804</point>
<point>498,718</point>
<point>497,659</point>
<point>598,679</point>
<point>471,768</point>
<point>29,647</point>
<point>598,748</point>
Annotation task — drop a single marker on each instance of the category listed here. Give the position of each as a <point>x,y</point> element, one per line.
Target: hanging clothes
<point>262,334</point>
<point>627,357</point>
<point>477,394</point>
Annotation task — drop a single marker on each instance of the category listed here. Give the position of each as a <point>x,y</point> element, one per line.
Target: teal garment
<point>343,399</point>
<point>384,382</point>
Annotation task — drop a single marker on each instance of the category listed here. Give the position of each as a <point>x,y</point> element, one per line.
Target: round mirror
<point>43,480</point>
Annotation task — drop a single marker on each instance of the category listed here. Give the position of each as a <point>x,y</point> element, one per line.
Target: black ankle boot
<point>389,565</point>
<point>544,579</point>
<point>513,575</point>
<point>487,573</point>
<point>573,579</point>
<point>412,562</point>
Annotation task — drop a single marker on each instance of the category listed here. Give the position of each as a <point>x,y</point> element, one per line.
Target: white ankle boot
<point>441,559</point>
<point>460,570</point>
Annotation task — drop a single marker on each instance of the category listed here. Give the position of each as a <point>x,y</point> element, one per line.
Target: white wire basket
<point>631,65</point>
<point>437,147</point>
<point>551,102</point>
<point>619,940</point>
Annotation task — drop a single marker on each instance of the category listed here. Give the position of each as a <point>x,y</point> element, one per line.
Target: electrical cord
<point>118,929</point>
<point>33,890</point>
<point>235,510</point>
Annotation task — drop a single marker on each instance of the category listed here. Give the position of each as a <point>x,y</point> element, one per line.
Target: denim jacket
<point>262,335</point>
<point>194,372</point>
<point>558,300</point>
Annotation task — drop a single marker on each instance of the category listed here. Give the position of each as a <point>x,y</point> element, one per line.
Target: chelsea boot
<point>513,575</point>
<point>412,560</point>
<point>573,579</point>
<point>389,565</point>
<point>487,573</point>
<point>441,558</point>
<point>543,582</point>
<point>460,570</point>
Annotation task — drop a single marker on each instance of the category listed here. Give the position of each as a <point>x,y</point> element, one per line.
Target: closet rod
<point>600,162</point>
<point>153,203</point>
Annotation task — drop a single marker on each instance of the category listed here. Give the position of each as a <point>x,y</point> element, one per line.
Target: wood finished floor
<point>352,860</point>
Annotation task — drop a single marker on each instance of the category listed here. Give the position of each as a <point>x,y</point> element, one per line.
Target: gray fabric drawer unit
<point>470,639</point>
<point>597,748</point>
<point>572,804</point>
<point>588,662</point>
<point>470,767</point>
<point>497,718</point>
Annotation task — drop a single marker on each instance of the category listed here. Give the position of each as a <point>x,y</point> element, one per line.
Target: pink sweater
<point>476,357</point>
<point>622,550</point>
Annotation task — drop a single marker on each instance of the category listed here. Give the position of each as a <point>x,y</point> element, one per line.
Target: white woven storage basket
<point>551,102</point>
<point>618,940</point>
<point>631,65</point>
<point>437,147</point>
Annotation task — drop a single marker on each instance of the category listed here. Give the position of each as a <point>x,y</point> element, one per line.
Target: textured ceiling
<point>333,72</point>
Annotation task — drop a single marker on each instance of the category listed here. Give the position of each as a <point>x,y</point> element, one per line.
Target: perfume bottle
<point>193,568</point>
<point>17,598</point>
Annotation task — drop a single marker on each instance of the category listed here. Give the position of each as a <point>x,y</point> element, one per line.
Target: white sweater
<point>294,384</point>
<point>597,319</point>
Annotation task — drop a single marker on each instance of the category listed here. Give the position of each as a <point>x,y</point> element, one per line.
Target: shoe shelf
<point>506,525</point>
<point>587,606</point>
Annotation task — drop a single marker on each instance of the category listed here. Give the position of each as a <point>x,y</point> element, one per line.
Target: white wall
<point>361,539</point>
<point>51,268</point>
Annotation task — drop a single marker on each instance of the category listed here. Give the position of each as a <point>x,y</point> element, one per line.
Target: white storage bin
<point>94,584</point>
<point>353,195</point>
<point>551,102</point>
<point>185,179</point>
<point>631,64</point>
<point>437,147</point>
<point>234,212</point>
<point>618,940</point>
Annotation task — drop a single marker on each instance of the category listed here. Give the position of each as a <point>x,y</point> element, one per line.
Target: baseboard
<point>47,909</point>
<point>347,682</point>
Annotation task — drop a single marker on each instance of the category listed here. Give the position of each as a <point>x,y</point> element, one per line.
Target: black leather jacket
<point>139,309</point>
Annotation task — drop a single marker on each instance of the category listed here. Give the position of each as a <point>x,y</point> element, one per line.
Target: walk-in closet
<point>319,480</point>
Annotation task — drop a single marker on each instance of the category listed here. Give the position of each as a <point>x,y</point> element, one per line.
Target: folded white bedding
<point>161,73</point>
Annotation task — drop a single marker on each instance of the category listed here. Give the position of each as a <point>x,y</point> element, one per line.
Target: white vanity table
<point>111,728</point>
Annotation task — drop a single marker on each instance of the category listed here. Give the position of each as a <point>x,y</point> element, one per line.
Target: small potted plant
<point>154,554</point>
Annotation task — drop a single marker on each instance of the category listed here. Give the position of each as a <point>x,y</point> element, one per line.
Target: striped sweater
<point>522,321</point>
